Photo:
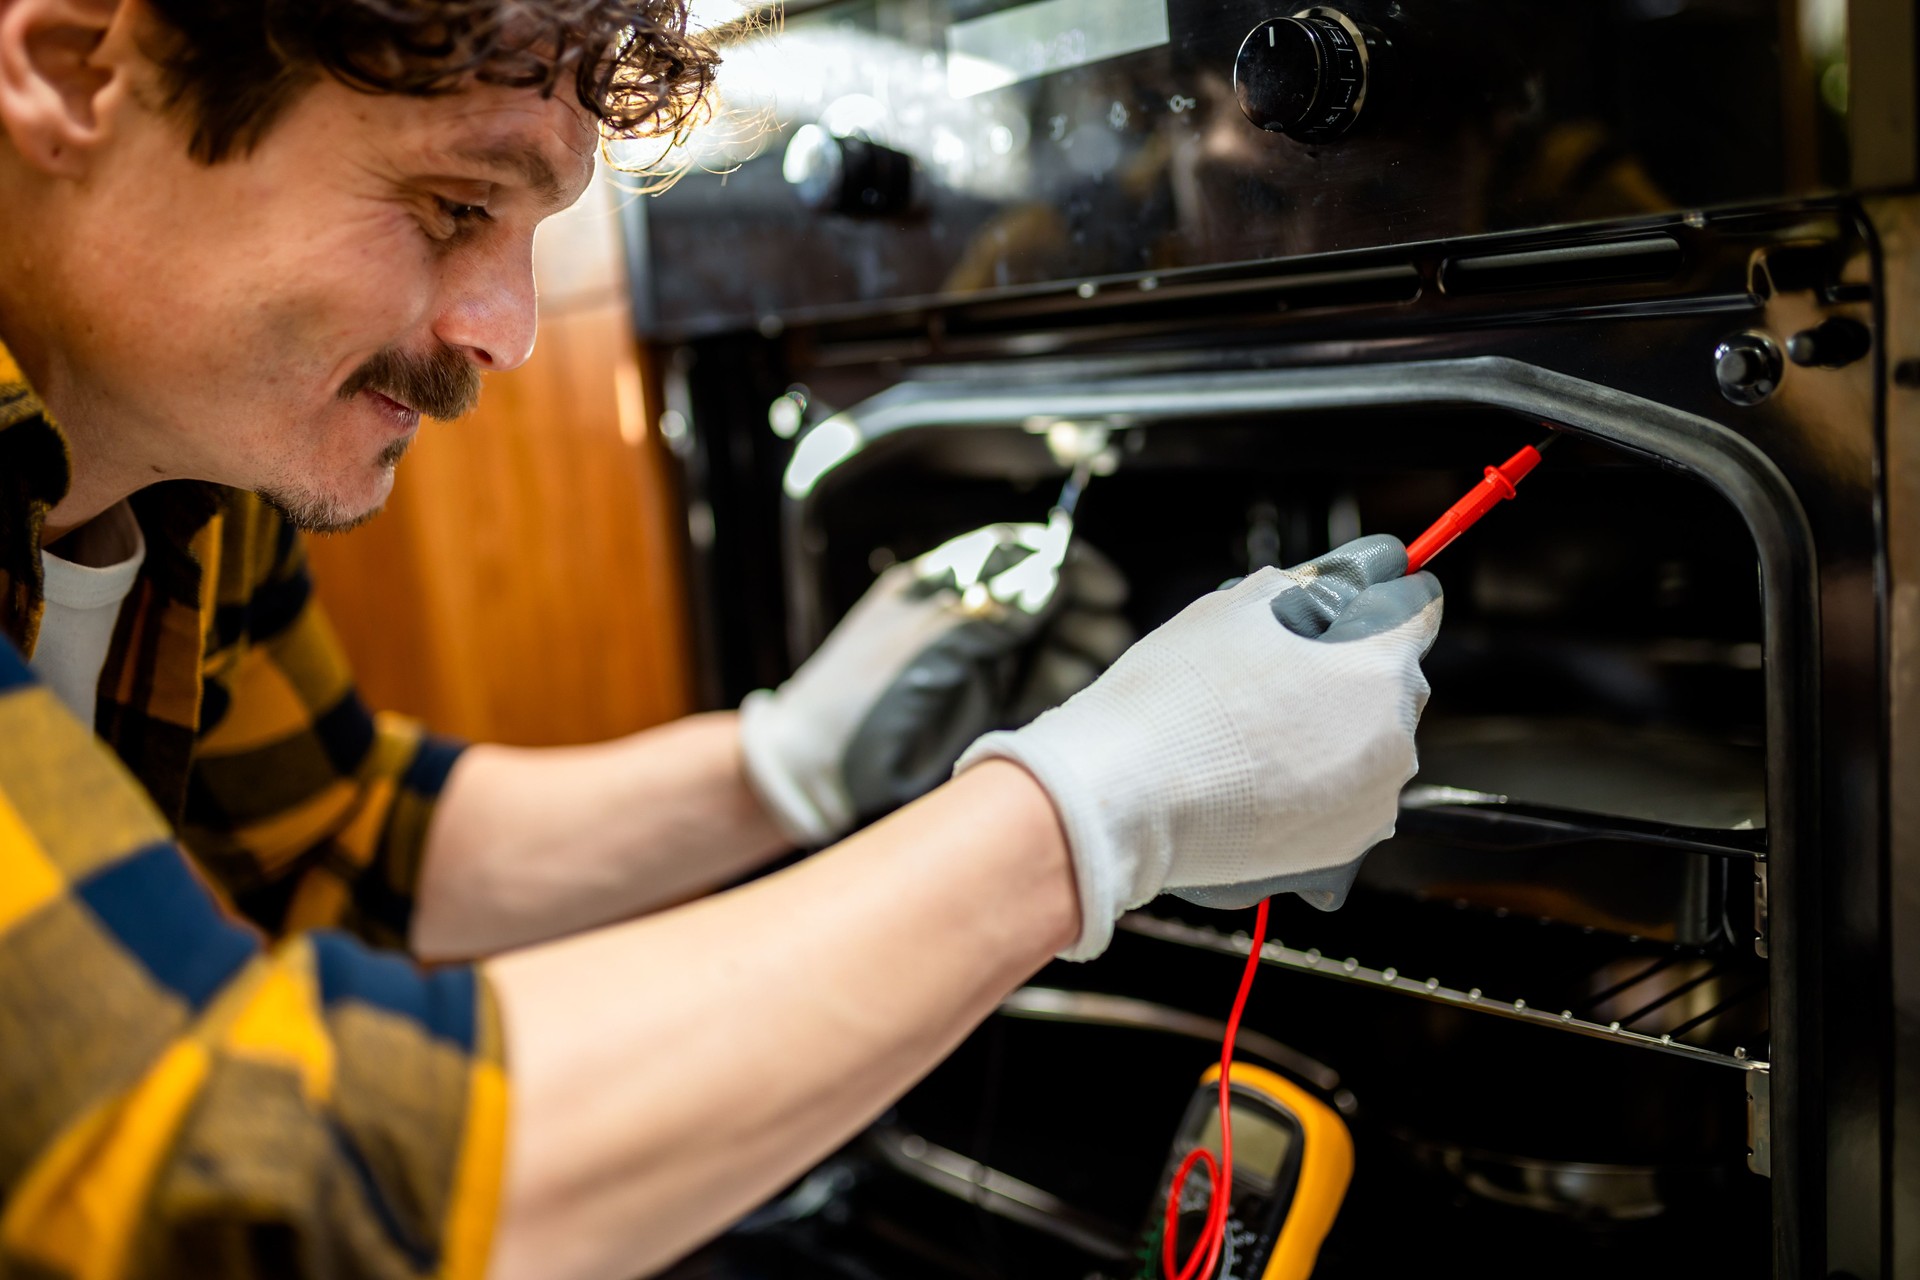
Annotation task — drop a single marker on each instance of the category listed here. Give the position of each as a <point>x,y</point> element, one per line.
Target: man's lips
<point>403,418</point>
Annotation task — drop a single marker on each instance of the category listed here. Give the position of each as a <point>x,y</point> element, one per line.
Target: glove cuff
<point>805,815</point>
<point>1089,844</point>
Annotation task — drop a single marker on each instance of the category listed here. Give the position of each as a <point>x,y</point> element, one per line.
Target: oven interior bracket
<point>1760,1122</point>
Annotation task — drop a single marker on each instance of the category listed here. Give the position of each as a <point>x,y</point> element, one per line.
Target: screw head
<point>1748,367</point>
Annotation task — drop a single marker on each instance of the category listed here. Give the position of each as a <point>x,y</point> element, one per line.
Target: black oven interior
<point>1542,1011</point>
<point>1033,1151</point>
<point>1472,1135</point>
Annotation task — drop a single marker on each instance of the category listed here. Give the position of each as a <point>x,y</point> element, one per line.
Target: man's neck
<point>94,490</point>
<point>101,473</point>
<point>108,539</point>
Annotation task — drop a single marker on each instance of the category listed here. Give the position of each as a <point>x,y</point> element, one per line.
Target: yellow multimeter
<point>1292,1160</point>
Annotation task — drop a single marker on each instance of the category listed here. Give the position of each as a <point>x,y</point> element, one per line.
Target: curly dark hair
<point>232,66</point>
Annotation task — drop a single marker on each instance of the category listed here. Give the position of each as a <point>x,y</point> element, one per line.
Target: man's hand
<point>982,633</point>
<point>1256,743</point>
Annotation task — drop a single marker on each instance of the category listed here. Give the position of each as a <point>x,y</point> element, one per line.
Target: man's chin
<point>311,515</point>
<point>312,512</point>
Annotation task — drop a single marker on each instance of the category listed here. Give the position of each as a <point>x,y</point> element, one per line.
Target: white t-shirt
<point>84,596</point>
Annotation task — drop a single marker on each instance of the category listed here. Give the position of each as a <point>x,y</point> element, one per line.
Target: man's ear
<point>56,91</point>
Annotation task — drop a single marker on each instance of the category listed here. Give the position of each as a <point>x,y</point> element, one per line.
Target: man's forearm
<point>528,844</point>
<point>670,1073</point>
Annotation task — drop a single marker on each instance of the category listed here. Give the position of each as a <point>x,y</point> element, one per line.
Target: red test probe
<point>1499,485</point>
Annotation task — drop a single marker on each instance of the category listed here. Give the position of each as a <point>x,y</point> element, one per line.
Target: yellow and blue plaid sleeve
<point>177,1100</point>
<point>311,810</point>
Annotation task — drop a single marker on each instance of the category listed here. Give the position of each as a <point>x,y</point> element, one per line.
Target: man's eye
<point>464,216</point>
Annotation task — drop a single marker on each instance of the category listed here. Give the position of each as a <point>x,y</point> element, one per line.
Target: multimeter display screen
<point>1260,1142</point>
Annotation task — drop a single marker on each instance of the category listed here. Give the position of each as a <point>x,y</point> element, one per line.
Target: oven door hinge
<point>1760,1122</point>
<point>1760,908</point>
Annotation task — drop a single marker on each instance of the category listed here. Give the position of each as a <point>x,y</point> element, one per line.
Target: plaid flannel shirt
<point>199,1074</point>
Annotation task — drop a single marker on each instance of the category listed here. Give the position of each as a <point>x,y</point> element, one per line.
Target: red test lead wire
<point>1498,486</point>
<point>1205,1256</point>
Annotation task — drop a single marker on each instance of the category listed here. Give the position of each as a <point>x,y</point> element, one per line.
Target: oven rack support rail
<point>1517,1008</point>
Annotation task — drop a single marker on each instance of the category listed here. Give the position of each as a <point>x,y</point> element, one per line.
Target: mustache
<point>444,385</point>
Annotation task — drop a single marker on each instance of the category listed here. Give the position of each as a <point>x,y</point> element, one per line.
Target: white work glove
<point>1257,743</point>
<point>982,633</point>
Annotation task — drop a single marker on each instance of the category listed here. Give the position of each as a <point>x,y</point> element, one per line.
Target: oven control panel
<point>865,156</point>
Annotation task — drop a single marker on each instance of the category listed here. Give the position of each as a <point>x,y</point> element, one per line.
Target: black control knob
<point>1748,368</point>
<point>1304,76</point>
<point>848,174</point>
<point>1831,344</point>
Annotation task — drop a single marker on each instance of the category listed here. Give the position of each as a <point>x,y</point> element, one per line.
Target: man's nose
<point>488,311</point>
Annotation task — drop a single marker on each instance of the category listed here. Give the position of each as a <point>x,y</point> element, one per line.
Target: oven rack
<point>1676,1000</point>
<point>1486,820</point>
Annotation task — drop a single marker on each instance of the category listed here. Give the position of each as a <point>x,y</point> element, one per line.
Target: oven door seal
<point>1728,463</point>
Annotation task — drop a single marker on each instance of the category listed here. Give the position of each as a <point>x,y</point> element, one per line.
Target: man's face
<point>278,322</point>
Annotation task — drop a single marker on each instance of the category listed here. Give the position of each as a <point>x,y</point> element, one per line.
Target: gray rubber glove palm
<point>982,633</point>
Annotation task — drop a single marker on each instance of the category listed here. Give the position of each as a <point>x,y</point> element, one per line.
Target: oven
<point>1633,985</point>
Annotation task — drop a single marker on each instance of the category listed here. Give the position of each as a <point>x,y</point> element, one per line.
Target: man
<point>244,244</point>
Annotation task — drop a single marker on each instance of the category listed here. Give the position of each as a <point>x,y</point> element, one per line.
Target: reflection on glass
<point>845,80</point>
<point>1039,39</point>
